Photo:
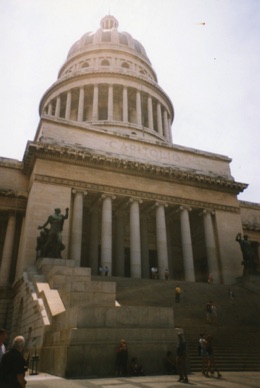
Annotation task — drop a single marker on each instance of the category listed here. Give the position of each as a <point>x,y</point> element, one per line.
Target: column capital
<point>132,200</point>
<point>76,191</point>
<point>181,208</point>
<point>161,204</point>
<point>104,196</point>
<point>206,211</point>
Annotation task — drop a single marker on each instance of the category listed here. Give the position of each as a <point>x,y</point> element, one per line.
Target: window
<point>105,62</point>
<point>125,65</point>
<point>84,64</point>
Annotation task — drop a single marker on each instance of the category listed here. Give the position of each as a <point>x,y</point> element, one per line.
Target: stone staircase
<point>85,323</point>
<point>236,331</point>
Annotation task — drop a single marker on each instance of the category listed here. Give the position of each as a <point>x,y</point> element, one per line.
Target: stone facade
<point>104,149</point>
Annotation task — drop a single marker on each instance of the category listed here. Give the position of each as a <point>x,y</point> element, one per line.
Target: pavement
<point>228,380</point>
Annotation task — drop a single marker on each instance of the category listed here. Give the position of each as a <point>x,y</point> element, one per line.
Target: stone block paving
<point>229,380</point>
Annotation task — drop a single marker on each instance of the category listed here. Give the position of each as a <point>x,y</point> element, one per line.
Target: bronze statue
<point>49,243</point>
<point>247,252</point>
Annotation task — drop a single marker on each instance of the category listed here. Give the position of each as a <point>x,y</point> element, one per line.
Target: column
<point>93,249</point>
<point>7,254</point>
<point>144,248</point>
<point>57,107</point>
<point>135,240</point>
<point>165,122</point>
<point>95,103</point>
<point>212,257</point>
<point>159,118</point>
<point>81,104</point>
<point>125,105</point>
<point>138,108</point>
<point>170,130</point>
<point>161,239</point>
<point>68,106</point>
<point>106,232</point>
<point>50,109</point>
<point>76,228</point>
<point>187,245</point>
<point>150,112</point>
<point>120,251</point>
<point>110,103</point>
<point>21,243</point>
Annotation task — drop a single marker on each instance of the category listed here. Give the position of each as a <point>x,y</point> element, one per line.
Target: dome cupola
<point>107,82</point>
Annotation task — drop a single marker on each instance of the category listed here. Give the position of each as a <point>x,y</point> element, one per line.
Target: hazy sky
<point>206,54</point>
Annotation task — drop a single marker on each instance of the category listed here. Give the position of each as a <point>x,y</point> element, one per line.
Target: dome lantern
<point>109,22</point>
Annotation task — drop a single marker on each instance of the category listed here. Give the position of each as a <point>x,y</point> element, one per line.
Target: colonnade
<point>138,245</point>
<point>85,104</point>
<point>138,238</point>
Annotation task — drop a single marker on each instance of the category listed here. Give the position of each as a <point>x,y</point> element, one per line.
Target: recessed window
<point>125,65</point>
<point>105,62</point>
<point>84,64</point>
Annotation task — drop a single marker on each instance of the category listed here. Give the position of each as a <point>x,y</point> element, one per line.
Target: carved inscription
<point>143,151</point>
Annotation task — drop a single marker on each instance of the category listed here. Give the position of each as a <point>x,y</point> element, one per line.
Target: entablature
<point>127,166</point>
<point>140,195</point>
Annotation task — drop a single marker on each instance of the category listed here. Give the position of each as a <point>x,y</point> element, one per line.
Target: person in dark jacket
<point>121,359</point>
<point>13,366</point>
<point>181,354</point>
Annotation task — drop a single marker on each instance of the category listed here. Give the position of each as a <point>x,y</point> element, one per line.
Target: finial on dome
<point>109,22</point>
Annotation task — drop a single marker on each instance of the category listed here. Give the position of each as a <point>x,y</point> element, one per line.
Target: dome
<point>108,83</point>
<point>108,34</point>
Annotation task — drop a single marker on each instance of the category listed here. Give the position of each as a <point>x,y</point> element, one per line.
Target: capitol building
<point>104,148</point>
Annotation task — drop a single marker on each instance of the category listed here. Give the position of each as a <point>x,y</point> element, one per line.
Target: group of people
<point>173,364</point>
<point>205,350</point>
<point>12,363</point>
<point>102,270</point>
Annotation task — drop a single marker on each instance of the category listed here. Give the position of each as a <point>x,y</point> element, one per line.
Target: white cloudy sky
<point>210,71</point>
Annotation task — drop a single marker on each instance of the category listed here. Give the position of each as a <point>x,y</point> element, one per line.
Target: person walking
<point>177,294</point>
<point>202,346</point>
<point>211,367</point>
<point>181,354</point>
<point>208,311</point>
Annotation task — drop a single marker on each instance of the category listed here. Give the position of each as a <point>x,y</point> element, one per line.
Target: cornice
<point>249,205</point>
<point>119,192</point>
<point>13,194</point>
<point>11,200</point>
<point>251,227</point>
<point>10,163</point>
<point>112,163</point>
